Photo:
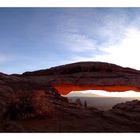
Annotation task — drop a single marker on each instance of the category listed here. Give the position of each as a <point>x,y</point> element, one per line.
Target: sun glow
<point>125,53</point>
<point>95,93</point>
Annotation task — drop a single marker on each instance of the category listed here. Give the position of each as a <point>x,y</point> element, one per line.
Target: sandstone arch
<point>88,76</point>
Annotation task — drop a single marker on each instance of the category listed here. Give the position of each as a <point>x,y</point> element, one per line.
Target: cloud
<point>88,33</point>
<point>125,53</point>
<point>79,43</point>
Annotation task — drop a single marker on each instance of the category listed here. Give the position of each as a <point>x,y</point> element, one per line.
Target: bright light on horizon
<point>96,93</point>
<point>124,53</point>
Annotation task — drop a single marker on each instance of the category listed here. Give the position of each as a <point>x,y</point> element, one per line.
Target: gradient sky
<point>39,38</point>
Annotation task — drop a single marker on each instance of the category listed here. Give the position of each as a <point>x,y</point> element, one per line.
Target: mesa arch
<point>88,76</point>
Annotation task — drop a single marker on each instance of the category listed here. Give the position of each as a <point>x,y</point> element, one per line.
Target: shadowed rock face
<point>125,114</point>
<point>89,76</point>
<point>21,97</point>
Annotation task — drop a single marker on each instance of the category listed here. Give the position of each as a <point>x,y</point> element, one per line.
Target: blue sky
<point>39,38</point>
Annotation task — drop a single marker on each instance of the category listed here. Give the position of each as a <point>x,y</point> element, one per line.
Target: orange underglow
<point>65,89</point>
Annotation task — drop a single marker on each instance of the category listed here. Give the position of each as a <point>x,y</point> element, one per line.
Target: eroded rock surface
<point>125,114</point>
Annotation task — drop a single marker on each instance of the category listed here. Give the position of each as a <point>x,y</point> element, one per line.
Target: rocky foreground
<point>31,102</point>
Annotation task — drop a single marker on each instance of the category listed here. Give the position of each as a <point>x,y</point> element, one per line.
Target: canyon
<point>33,101</point>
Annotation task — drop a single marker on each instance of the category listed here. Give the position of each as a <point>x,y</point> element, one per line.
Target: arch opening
<point>101,99</point>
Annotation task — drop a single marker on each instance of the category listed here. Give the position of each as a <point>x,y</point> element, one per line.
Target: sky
<point>102,93</point>
<point>40,38</point>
